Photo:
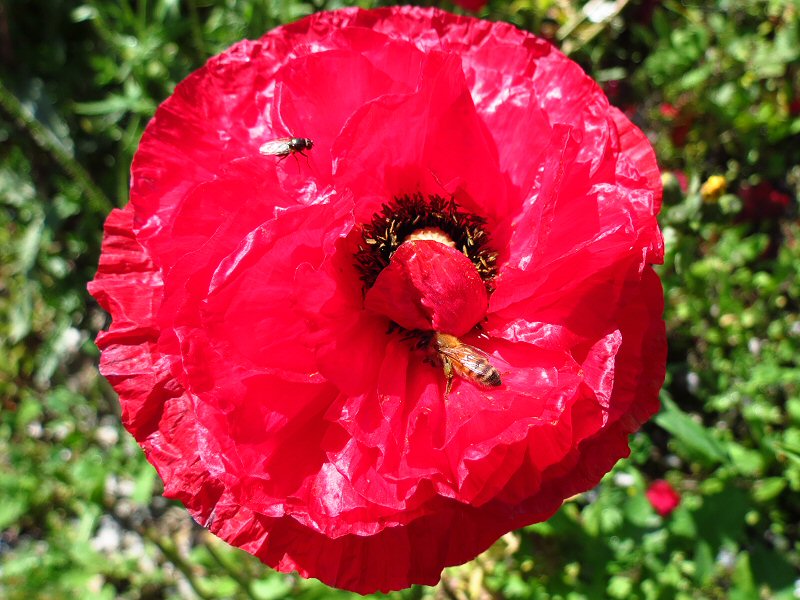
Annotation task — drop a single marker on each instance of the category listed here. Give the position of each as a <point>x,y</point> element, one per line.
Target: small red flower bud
<point>471,5</point>
<point>763,201</point>
<point>663,497</point>
<point>668,111</point>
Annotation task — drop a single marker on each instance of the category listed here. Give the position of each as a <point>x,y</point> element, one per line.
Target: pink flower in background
<point>763,201</point>
<point>668,111</point>
<point>663,497</point>
<point>471,5</point>
<point>683,181</point>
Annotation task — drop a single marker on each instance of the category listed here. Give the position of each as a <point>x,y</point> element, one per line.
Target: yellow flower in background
<point>713,188</point>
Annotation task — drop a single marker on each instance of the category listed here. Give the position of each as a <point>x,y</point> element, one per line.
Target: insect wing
<point>468,356</point>
<point>279,147</point>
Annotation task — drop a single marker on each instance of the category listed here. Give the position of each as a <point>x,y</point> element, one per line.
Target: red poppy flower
<point>763,202</point>
<point>274,320</point>
<point>471,5</point>
<point>663,497</point>
<point>668,111</point>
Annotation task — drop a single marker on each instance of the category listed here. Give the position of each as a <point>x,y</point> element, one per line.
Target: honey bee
<point>284,147</point>
<point>465,361</point>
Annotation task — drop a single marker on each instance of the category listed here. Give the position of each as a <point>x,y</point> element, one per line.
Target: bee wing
<point>275,147</point>
<point>467,355</point>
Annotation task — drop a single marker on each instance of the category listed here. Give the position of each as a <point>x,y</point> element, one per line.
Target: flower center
<point>409,218</point>
<point>431,233</point>
<point>426,265</point>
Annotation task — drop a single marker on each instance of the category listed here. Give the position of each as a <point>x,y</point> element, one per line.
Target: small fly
<point>284,147</point>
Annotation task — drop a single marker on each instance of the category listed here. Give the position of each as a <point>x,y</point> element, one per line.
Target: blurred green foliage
<point>716,86</point>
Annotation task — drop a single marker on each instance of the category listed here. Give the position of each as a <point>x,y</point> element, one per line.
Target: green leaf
<point>620,587</point>
<point>145,482</point>
<point>682,524</point>
<point>704,562</point>
<point>693,436</point>
<point>748,462</point>
<point>767,489</point>
<point>272,587</point>
<point>20,314</point>
<point>639,511</point>
<point>114,104</point>
<point>11,509</point>
<point>744,587</point>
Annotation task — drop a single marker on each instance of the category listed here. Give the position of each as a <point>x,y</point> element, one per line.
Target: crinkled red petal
<point>429,286</point>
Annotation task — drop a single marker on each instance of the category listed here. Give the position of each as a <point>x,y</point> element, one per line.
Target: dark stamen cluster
<point>404,215</point>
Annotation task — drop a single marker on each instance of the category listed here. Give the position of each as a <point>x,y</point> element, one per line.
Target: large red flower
<point>273,328</point>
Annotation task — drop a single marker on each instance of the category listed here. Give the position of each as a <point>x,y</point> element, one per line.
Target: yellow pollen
<point>431,233</point>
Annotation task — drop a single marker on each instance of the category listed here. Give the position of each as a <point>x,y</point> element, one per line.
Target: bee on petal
<point>284,147</point>
<point>458,358</point>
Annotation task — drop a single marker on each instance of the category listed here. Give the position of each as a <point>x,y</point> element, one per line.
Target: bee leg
<point>448,373</point>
